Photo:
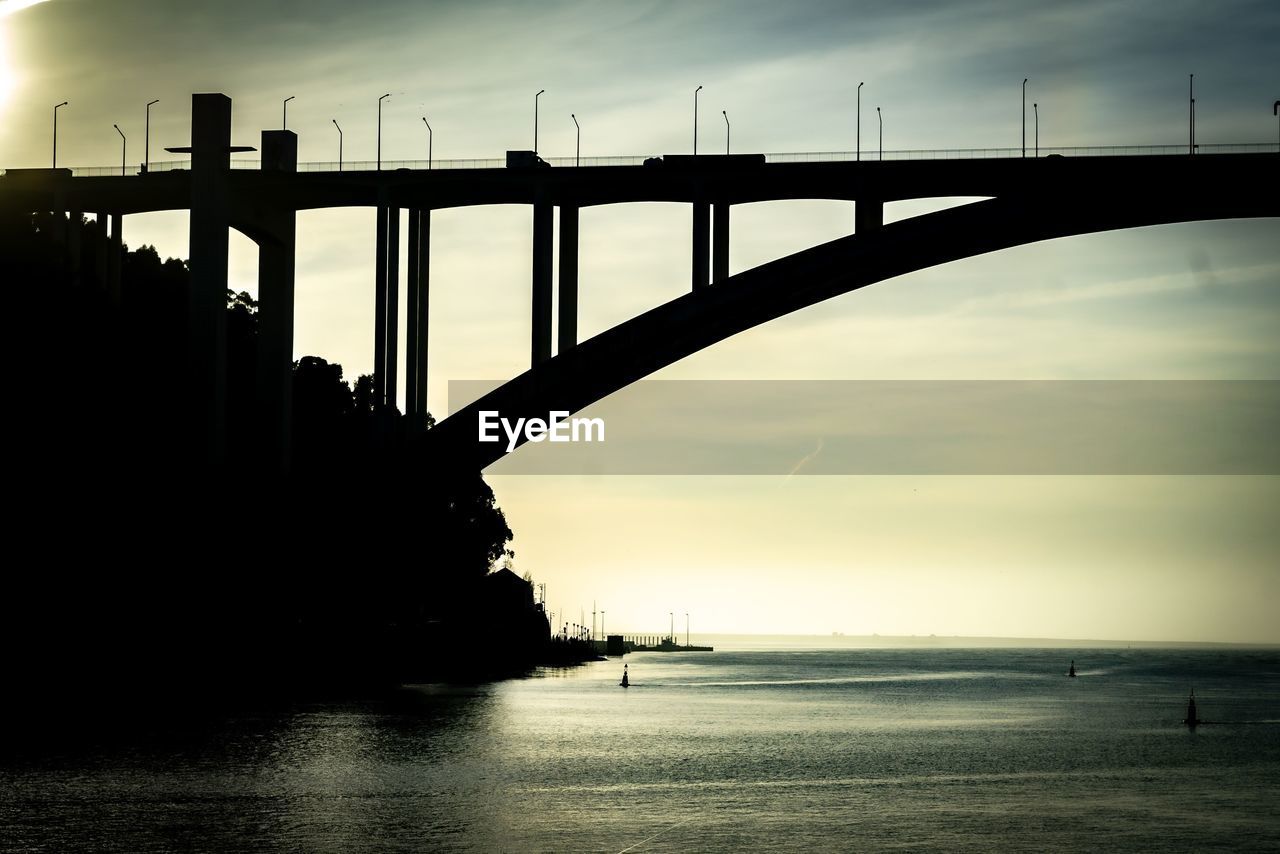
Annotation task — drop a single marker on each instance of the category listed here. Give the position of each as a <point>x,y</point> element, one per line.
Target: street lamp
<point>55,133</point>
<point>695,120</point>
<point>146,145</point>
<point>1275,111</point>
<point>577,151</point>
<point>859,157</point>
<point>1024,117</point>
<point>430,140</point>
<point>1191,115</point>
<point>881,118</point>
<point>124,143</point>
<point>339,127</point>
<point>380,100</point>
<point>535,119</point>
<point>284,117</point>
<point>1036,107</point>
<point>726,131</point>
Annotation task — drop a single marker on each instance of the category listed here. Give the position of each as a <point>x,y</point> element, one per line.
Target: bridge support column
<point>720,244</point>
<point>543,232</point>
<point>416,315</point>
<point>101,242</point>
<point>114,258</point>
<point>568,327</point>
<point>868,215</point>
<point>276,278</point>
<point>75,233</point>
<point>209,223</point>
<point>701,235</point>
<point>423,305</point>
<point>393,305</point>
<point>380,308</point>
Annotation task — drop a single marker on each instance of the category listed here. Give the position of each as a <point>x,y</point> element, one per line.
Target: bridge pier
<point>568,326</point>
<point>75,234</point>
<point>114,254</point>
<point>276,281</point>
<point>101,240</point>
<point>543,229</point>
<point>720,244</point>
<point>380,307</point>
<point>701,234</point>
<point>209,224</point>
<point>393,305</point>
<point>868,215</point>
<point>417,304</point>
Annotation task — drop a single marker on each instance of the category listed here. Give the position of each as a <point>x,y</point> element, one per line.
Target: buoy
<point>626,683</point>
<point>1072,671</point>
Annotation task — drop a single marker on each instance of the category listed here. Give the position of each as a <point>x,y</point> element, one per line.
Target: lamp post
<point>1024,117</point>
<point>695,120</point>
<point>55,133</point>
<point>284,116</point>
<point>339,127</point>
<point>859,156</point>
<point>430,140</point>
<point>1275,111</point>
<point>1191,114</point>
<point>380,100</point>
<point>535,119</point>
<point>1036,108</point>
<point>146,144</point>
<point>881,118</point>
<point>577,149</point>
<point>726,131</point>
<point>124,143</point>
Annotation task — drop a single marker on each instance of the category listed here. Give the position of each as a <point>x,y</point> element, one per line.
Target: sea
<point>757,746</point>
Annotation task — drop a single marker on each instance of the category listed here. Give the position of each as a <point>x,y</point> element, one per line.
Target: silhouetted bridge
<point>1027,200</point>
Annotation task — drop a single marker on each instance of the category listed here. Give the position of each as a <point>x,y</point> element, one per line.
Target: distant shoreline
<point>731,642</point>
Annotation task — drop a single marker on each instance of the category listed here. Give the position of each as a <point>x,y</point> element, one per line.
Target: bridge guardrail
<point>784,157</point>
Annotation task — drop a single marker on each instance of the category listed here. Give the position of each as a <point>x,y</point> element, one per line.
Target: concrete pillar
<point>380,310</point>
<point>411,319</point>
<point>701,233</point>
<point>276,278</point>
<point>543,234</point>
<point>568,327</point>
<point>114,258</point>
<point>75,233</point>
<point>868,215</point>
<point>209,223</point>
<point>101,242</point>
<point>393,304</point>
<point>720,244</point>
<point>423,303</point>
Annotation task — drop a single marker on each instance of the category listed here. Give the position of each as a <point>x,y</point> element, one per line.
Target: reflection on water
<point>841,749</point>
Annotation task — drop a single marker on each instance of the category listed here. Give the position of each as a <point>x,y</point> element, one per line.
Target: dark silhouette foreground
<point>138,570</point>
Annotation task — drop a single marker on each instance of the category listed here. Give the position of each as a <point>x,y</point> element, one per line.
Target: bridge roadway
<point>437,189</point>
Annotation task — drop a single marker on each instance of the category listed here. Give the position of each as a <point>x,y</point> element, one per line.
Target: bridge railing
<point>869,156</point>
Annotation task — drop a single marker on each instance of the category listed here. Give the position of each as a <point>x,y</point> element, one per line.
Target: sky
<point>1167,557</point>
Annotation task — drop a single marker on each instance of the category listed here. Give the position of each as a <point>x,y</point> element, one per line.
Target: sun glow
<point>8,7</point>
<point>8,80</point>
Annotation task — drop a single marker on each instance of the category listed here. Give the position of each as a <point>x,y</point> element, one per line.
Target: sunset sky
<point>1121,557</point>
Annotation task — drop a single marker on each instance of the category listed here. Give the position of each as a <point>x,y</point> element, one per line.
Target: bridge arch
<point>663,335</point>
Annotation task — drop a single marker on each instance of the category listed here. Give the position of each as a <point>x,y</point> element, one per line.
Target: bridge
<point>1026,200</point>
